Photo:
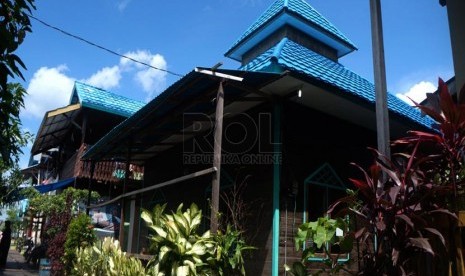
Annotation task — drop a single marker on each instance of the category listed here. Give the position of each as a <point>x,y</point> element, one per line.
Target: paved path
<point>16,266</point>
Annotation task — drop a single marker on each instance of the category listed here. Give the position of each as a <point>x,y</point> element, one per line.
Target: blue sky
<point>179,35</point>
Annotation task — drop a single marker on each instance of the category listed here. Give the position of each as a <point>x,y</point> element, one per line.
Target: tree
<point>14,24</point>
<point>59,210</point>
<point>13,217</point>
<point>9,184</point>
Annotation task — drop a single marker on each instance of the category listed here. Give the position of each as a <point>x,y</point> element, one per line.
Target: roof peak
<point>296,14</point>
<point>100,99</point>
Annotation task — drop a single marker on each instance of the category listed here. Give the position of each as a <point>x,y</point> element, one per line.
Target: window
<point>321,189</point>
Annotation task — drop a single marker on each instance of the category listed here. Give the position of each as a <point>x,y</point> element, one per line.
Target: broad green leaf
<point>197,249</point>
<point>182,270</point>
<point>159,231</point>
<point>146,216</point>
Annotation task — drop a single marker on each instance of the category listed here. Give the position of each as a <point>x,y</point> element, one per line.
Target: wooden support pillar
<point>277,152</point>
<point>89,187</point>
<point>84,128</point>
<point>132,226</point>
<point>382,115</point>
<point>218,136</point>
<point>125,182</point>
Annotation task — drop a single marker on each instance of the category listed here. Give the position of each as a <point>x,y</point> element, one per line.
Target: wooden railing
<point>106,171</point>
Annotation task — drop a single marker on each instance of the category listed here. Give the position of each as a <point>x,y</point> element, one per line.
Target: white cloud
<point>122,4</point>
<point>105,78</point>
<point>151,80</point>
<point>417,92</point>
<point>48,89</point>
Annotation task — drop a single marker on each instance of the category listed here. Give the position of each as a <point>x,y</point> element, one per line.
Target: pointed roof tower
<point>294,19</point>
<point>292,36</point>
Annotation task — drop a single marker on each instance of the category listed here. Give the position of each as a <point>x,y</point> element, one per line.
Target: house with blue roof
<point>64,135</point>
<point>288,122</point>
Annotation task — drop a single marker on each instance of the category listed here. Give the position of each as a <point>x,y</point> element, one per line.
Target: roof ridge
<point>90,85</point>
<point>326,21</point>
<point>278,48</point>
<point>104,100</point>
<point>297,58</point>
<point>109,92</point>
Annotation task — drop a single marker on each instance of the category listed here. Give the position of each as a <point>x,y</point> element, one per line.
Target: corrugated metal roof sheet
<point>169,104</point>
<point>291,56</point>
<point>96,98</point>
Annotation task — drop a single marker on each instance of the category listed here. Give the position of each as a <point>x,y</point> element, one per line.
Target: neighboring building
<point>294,118</point>
<point>455,10</point>
<point>64,135</point>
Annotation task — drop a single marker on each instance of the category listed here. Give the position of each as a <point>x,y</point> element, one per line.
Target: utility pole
<point>382,115</point>
<point>455,9</point>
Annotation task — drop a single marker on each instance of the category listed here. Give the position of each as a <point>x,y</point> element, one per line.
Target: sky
<point>179,35</point>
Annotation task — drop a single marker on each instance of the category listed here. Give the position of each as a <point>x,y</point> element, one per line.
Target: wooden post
<point>132,221</point>
<point>126,180</point>
<point>382,115</point>
<point>218,136</point>
<point>92,169</point>
<point>84,128</point>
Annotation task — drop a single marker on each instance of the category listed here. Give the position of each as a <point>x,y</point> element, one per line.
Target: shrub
<point>80,234</point>
<point>179,249</point>
<point>228,251</point>
<point>106,258</point>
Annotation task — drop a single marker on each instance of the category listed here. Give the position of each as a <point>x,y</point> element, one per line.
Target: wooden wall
<point>307,144</point>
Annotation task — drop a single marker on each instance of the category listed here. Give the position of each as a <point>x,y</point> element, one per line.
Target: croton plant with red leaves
<point>405,206</point>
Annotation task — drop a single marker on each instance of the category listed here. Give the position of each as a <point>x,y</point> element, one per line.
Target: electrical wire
<point>101,47</point>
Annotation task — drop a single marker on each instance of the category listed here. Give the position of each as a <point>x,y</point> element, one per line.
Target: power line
<point>102,48</point>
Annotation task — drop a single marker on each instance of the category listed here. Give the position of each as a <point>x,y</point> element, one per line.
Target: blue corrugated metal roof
<point>300,9</point>
<point>96,98</point>
<point>288,55</point>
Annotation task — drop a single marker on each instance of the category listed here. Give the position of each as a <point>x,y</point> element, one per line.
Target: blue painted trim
<point>276,186</point>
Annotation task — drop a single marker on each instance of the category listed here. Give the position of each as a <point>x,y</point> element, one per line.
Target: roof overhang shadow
<point>54,127</point>
<point>162,123</point>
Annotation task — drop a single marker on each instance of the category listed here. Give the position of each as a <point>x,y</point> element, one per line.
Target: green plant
<point>13,217</point>
<point>179,249</point>
<point>227,258</point>
<point>59,211</point>
<point>106,258</point>
<point>323,233</point>
<point>80,234</point>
